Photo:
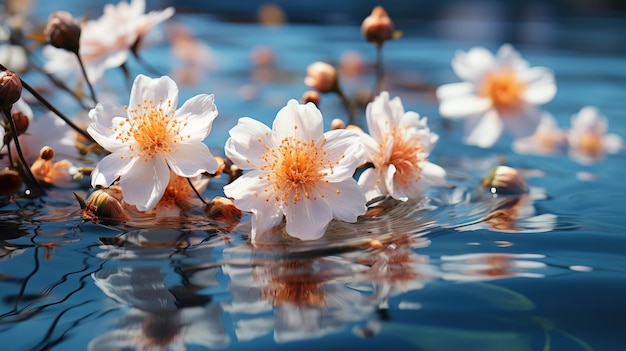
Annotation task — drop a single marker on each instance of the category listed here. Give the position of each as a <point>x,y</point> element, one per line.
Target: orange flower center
<point>294,168</point>
<point>178,190</point>
<point>503,89</point>
<point>405,156</point>
<point>150,130</point>
<point>590,143</point>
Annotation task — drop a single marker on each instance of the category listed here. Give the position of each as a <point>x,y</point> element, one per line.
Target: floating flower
<point>547,139</point>
<point>398,145</point>
<point>153,139</point>
<point>107,41</point>
<point>588,139</point>
<point>296,171</point>
<point>46,170</point>
<point>499,92</point>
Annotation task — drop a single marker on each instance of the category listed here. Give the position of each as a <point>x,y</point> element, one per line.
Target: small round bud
<point>105,205</point>
<point>223,210</point>
<point>10,88</point>
<point>10,182</point>
<point>321,76</point>
<point>311,96</point>
<point>46,153</point>
<point>337,124</point>
<point>21,122</point>
<point>504,180</point>
<point>377,27</point>
<point>62,31</point>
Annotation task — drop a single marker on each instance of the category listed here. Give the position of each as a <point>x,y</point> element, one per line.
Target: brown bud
<point>377,27</point>
<point>311,96</point>
<point>105,205</point>
<point>21,122</point>
<point>46,153</point>
<point>223,210</point>
<point>10,182</point>
<point>10,88</point>
<point>321,76</point>
<point>504,180</point>
<point>62,31</point>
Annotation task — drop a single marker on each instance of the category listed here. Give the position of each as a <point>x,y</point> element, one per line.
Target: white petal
<point>144,185</point>
<point>346,199</point>
<point>613,143</point>
<point>379,115</point>
<point>509,58</point>
<point>101,131</point>
<point>344,151</point>
<point>396,192</point>
<point>247,142</point>
<point>189,160</point>
<point>199,112</point>
<point>522,123</point>
<point>484,130</point>
<point>372,184</point>
<point>163,92</point>
<point>304,122</point>
<point>473,65</point>
<point>540,88</point>
<point>250,192</point>
<point>308,219</point>
<point>109,168</point>
<point>429,176</point>
<point>463,106</point>
<point>451,90</point>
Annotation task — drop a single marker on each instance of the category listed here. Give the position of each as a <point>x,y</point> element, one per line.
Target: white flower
<point>398,145</point>
<point>106,42</point>
<point>153,138</point>
<point>547,139</point>
<point>588,139</point>
<point>295,171</point>
<point>499,92</point>
<point>13,57</point>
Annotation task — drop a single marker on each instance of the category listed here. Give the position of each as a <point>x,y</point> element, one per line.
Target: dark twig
<point>91,89</point>
<point>197,192</point>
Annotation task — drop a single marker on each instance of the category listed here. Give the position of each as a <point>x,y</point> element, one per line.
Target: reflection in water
<point>488,266</point>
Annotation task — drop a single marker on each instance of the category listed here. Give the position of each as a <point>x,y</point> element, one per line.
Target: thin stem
<point>60,84</point>
<point>82,68</point>
<point>51,108</point>
<point>196,192</point>
<point>7,113</point>
<point>379,71</point>
<point>347,104</point>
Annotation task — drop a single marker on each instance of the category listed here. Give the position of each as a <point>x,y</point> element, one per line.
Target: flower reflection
<point>489,266</point>
<point>155,320</point>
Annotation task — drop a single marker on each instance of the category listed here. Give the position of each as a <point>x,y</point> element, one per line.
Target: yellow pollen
<point>150,130</point>
<point>405,155</point>
<point>294,168</point>
<point>503,89</point>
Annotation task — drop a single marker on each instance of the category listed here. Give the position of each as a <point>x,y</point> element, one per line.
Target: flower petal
<point>163,92</point>
<point>346,199</point>
<point>189,160</point>
<point>524,122</point>
<point>308,219</point>
<point>303,122</point>
<point>101,131</point>
<point>472,65</point>
<point>372,184</point>
<point>144,185</point>
<point>462,106</point>
<point>109,168</point>
<point>451,90</point>
<point>247,142</point>
<point>199,112</point>
<point>344,150</point>
<point>540,85</point>
<point>483,130</point>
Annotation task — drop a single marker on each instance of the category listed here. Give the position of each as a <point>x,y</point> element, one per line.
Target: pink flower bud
<point>377,27</point>
<point>321,76</point>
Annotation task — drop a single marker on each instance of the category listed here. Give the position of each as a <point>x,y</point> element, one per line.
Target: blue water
<point>444,279</point>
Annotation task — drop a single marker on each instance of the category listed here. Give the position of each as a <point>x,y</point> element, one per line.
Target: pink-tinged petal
<point>472,65</point>
<point>144,185</point>
<point>509,58</point>
<point>396,107</point>
<point>522,123</point>
<point>307,220</point>
<point>111,167</point>
<point>372,184</point>
<point>189,160</point>
<point>346,199</point>
<point>452,90</point>
<point>540,85</point>
<point>198,114</point>
<point>163,92</point>
<point>101,131</point>
<point>484,130</point>
<point>397,192</point>
<point>248,141</point>
<point>304,122</point>
<point>463,106</point>
<point>379,115</point>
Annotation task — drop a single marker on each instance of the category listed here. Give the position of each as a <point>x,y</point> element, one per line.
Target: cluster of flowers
<point>158,163</point>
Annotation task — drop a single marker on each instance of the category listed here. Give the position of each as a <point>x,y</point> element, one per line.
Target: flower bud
<point>104,205</point>
<point>10,88</point>
<point>21,122</point>
<point>46,153</point>
<point>223,210</point>
<point>337,124</point>
<point>504,180</point>
<point>10,182</point>
<point>377,27</point>
<point>311,96</point>
<point>321,76</point>
<point>62,31</point>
